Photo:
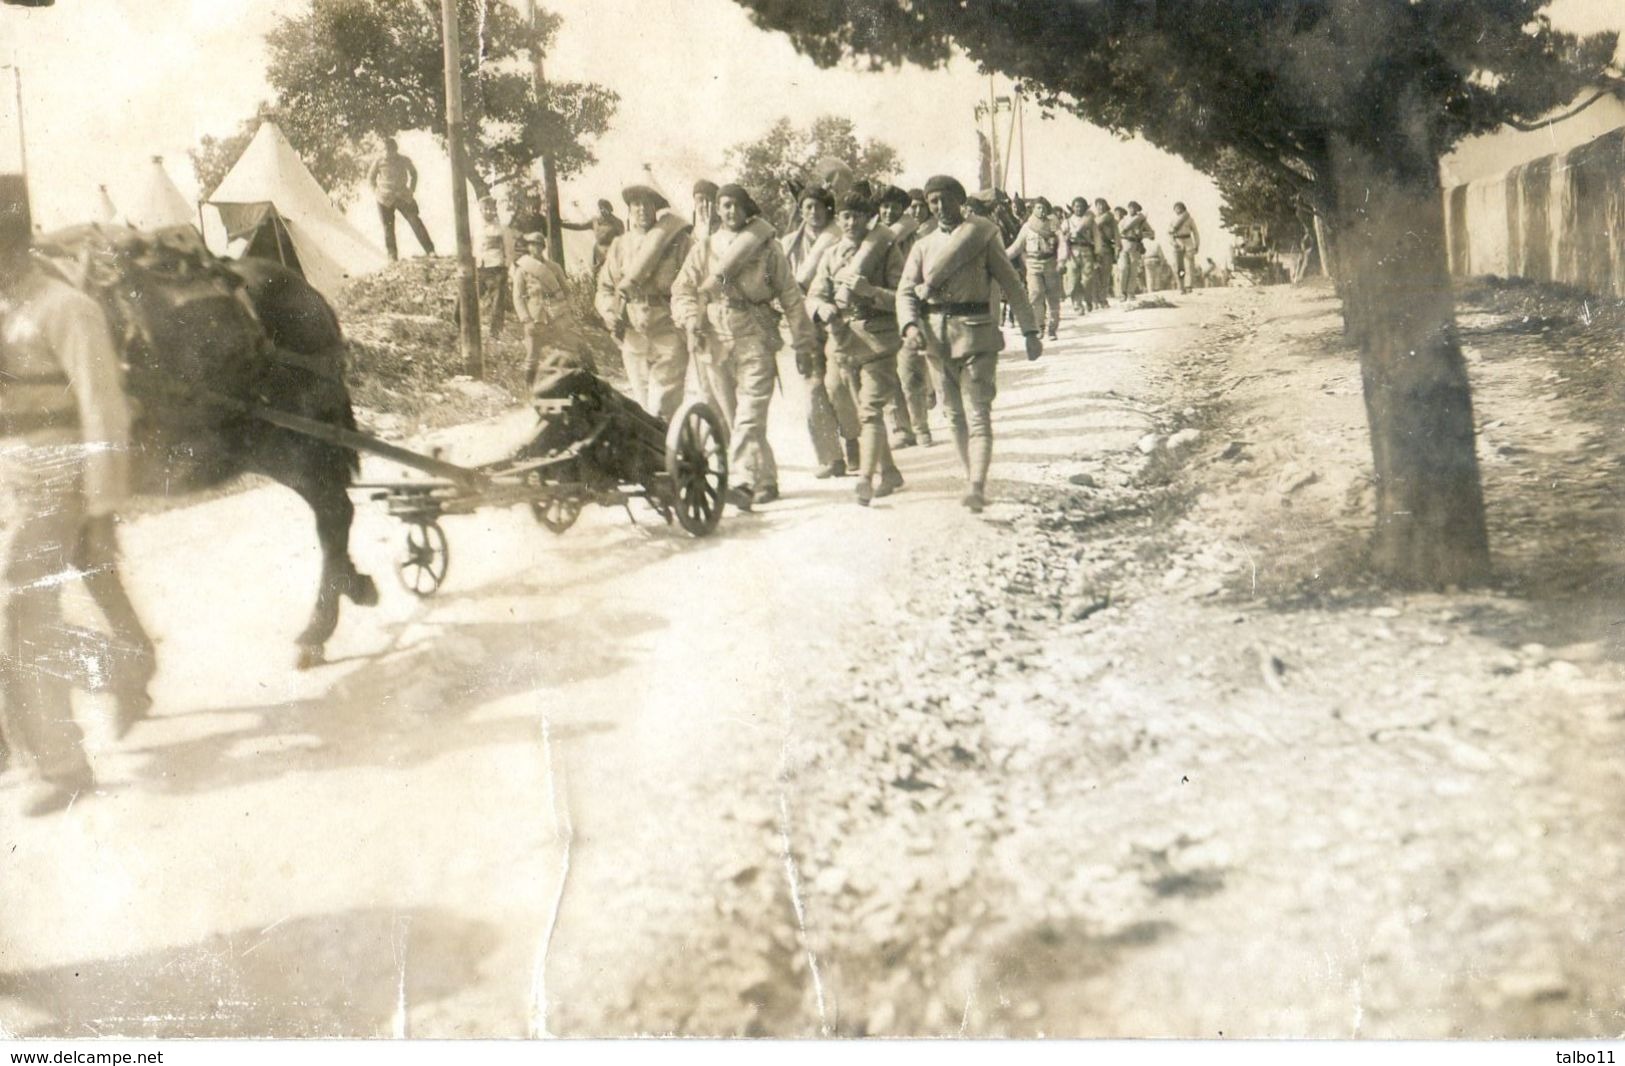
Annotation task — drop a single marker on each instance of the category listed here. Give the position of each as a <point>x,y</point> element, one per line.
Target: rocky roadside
<point>1165,765</point>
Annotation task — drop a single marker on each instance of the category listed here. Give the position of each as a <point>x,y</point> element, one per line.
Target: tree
<point>1352,102</point>
<point>1253,195</point>
<point>335,162</point>
<point>785,157</point>
<point>349,68</point>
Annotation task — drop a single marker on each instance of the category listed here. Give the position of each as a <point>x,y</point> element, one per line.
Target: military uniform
<point>859,309</point>
<point>653,346</point>
<point>1135,230</point>
<point>957,327</point>
<point>1078,242</point>
<point>542,305</point>
<point>1038,245</point>
<point>64,458</point>
<point>742,329</point>
<point>832,413</point>
<point>1105,252</point>
<point>1187,242</point>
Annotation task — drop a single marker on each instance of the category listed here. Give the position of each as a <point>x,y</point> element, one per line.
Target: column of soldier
<point>888,298</point>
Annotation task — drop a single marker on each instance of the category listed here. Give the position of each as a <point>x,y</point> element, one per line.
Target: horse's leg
<point>320,474</point>
<point>96,556</point>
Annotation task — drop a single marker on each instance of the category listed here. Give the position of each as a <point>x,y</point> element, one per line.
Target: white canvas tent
<point>153,202</point>
<point>271,206</point>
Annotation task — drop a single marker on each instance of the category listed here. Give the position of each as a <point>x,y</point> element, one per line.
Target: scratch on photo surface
<point>558,798</point>
<point>399,1024</point>
<point>794,878</point>
<point>264,937</point>
<point>970,1001</point>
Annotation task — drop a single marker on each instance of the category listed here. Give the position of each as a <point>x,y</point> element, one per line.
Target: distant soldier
<point>1105,250</point>
<point>1038,246</point>
<point>832,413</point>
<point>1078,247</point>
<point>944,303</point>
<point>1135,231</point>
<point>394,182</point>
<point>1187,242</point>
<point>854,294</point>
<point>542,305</point>
<point>605,228</point>
<point>705,208</point>
<point>64,471</point>
<point>496,262</point>
<point>727,287</point>
<point>634,297</point>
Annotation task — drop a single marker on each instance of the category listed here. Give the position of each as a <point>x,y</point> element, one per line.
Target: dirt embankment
<point>406,371</point>
<point>1168,764</point>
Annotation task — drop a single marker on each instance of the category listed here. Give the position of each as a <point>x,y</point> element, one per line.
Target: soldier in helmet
<point>634,297</point>
<point>64,467</point>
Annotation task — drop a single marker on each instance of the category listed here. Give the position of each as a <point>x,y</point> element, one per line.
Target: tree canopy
<point>1272,79</point>
<point>786,155</point>
<point>1253,195</point>
<point>345,70</point>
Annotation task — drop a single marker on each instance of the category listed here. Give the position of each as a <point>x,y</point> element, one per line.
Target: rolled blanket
<point>752,239</point>
<point>968,240</point>
<point>904,228</point>
<point>652,248</point>
<point>877,244</point>
<point>826,240</point>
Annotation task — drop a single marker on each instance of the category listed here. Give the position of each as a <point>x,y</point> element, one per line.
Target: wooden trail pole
<point>468,294</point>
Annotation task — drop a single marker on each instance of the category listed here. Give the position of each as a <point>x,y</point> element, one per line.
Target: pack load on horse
<point>211,345</point>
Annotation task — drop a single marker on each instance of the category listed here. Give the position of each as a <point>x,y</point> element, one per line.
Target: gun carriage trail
<point>1135,752</point>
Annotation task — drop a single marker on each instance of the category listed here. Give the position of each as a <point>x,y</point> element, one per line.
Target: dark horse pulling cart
<point>238,367</point>
<point>591,445</point>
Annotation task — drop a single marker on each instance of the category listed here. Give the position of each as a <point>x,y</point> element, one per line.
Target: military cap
<point>705,187</point>
<point>738,195</point>
<point>819,193</point>
<point>893,195</point>
<point>944,183</point>
<point>916,196</point>
<point>536,237</point>
<point>855,201</point>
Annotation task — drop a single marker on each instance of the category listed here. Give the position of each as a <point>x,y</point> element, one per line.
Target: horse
<point>196,368</point>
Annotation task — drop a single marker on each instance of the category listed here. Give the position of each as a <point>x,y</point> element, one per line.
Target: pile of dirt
<point>406,370</point>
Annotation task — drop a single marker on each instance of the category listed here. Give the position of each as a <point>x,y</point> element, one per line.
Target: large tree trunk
<point>1389,232</point>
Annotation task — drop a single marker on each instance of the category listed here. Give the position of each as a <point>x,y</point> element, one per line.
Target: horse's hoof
<point>311,655</point>
<point>363,591</point>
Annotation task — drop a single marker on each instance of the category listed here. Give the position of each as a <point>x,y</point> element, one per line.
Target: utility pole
<point>1021,126</point>
<point>550,174</point>
<point>468,292</point>
<point>993,130</point>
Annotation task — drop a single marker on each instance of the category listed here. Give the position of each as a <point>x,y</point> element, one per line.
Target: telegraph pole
<point>550,174</point>
<point>468,293</point>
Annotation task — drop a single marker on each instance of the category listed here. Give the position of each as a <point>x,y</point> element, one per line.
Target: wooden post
<point>550,174</point>
<point>468,294</point>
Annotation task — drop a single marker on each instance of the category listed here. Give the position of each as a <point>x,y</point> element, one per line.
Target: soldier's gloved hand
<point>1035,347</point>
<point>806,362</point>
<point>912,339</point>
<point>923,292</point>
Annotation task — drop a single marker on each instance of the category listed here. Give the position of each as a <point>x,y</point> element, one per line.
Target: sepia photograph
<point>813,519</point>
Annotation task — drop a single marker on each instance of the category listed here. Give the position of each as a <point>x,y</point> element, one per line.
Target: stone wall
<point>1557,218</point>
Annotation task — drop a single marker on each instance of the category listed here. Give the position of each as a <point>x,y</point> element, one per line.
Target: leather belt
<point>873,316</point>
<point>966,307</point>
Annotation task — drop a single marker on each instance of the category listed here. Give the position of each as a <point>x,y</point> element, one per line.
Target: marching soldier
<point>1078,231</point>
<point>496,260</point>
<point>854,295</point>
<point>1134,231</point>
<point>743,327</point>
<point>832,415</point>
<point>1105,250</point>
<point>64,461</point>
<point>944,303</point>
<point>1187,242</point>
<point>1038,245</point>
<point>634,298</point>
<point>911,411</point>
<point>714,373</point>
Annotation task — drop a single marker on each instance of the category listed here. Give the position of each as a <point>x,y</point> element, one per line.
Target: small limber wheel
<point>697,466</point>
<point>423,568</point>
<point>557,513</point>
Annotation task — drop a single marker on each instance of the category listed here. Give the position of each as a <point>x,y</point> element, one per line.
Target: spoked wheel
<point>557,513</point>
<point>697,466</point>
<point>427,556</point>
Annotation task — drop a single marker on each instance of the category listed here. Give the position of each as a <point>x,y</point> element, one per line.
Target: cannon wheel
<point>423,569</point>
<point>557,513</point>
<point>697,466</point>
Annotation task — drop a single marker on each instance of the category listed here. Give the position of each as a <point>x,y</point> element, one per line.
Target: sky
<point>109,83</point>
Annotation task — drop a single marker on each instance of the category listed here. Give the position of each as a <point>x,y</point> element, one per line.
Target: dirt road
<point>836,770</point>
